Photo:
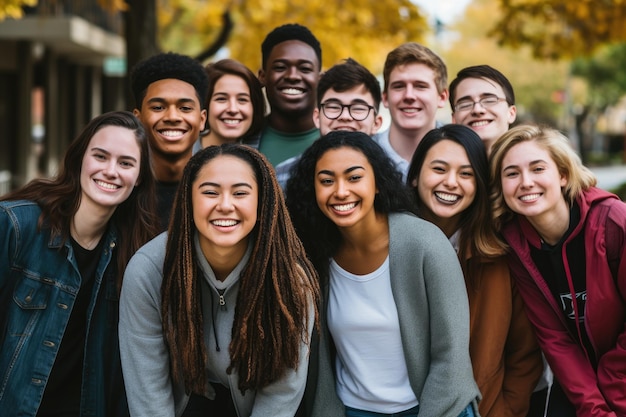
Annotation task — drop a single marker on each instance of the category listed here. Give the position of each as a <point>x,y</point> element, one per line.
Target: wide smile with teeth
<point>172,134</point>
<point>224,223</point>
<point>344,207</point>
<point>446,197</point>
<point>410,111</point>
<point>530,197</point>
<point>231,121</point>
<point>292,91</point>
<point>106,185</point>
<point>480,123</point>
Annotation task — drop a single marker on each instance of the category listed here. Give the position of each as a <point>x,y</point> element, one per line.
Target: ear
<point>414,183</point>
<point>563,180</point>
<point>261,77</point>
<point>137,113</point>
<point>512,114</point>
<point>443,99</point>
<point>385,102</point>
<point>316,117</point>
<point>378,122</point>
<point>203,118</point>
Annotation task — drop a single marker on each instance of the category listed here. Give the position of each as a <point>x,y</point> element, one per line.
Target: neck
<point>291,123</point>
<point>213,139</point>
<point>88,226</point>
<point>169,168</point>
<point>405,142</point>
<point>365,236</point>
<point>553,225</point>
<point>448,225</point>
<point>224,260</point>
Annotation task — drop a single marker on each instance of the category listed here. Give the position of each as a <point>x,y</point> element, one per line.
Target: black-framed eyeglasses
<point>485,102</point>
<point>358,111</point>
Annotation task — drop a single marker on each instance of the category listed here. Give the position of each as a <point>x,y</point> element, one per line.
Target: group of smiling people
<point>343,280</point>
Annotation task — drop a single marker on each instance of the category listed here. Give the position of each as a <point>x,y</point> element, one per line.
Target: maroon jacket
<point>594,392</point>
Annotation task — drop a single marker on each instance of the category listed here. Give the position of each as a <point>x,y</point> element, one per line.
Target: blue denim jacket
<point>39,281</point>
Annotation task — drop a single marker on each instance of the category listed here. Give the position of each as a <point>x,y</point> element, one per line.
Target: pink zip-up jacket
<point>594,392</point>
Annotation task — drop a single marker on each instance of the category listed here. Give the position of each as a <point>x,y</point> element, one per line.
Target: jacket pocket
<point>32,294</point>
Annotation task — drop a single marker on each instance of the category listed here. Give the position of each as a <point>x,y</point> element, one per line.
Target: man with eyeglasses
<point>482,98</point>
<point>416,81</point>
<point>349,98</point>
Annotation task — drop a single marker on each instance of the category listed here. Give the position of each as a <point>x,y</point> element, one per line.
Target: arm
<point>449,386</point>
<point>145,360</point>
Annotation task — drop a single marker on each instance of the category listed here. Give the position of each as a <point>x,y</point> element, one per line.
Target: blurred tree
<point>363,29</point>
<point>13,8</point>
<point>556,28</point>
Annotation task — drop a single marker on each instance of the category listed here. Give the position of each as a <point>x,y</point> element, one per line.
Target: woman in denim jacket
<point>63,247</point>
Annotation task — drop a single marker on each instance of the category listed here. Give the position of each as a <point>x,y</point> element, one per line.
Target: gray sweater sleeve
<point>145,360</point>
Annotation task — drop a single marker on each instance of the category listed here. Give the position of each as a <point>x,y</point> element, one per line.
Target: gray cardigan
<point>145,358</point>
<point>429,292</point>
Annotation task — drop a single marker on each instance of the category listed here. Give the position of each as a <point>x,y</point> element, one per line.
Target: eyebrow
<point>163,100</point>
<point>482,95</point>
<point>346,171</point>
<point>215,184</point>
<point>96,149</point>
<point>441,161</point>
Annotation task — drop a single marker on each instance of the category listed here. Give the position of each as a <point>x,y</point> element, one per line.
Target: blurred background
<point>64,62</point>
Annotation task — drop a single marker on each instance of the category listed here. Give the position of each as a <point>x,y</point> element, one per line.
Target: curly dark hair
<point>290,32</point>
<point>168,65</point>
<point>320,236</point>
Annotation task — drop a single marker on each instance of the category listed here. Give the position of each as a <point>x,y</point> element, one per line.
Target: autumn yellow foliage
<point>13,8</point>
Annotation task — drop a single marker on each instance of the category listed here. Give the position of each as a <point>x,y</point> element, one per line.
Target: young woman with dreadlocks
<point>223,305</point>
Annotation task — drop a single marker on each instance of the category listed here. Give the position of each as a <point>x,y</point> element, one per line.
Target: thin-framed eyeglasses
<point>358,111</point>
<point>485,102</point>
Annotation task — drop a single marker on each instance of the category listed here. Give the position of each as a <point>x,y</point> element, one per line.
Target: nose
<point>232,105</point>
<point>527,181</point>
<point>409,93</point>
<point>477,107</point>
<point>450,180</point>
<point>345,114</point>
<point>225,203</point>
<point>341,190</point>
<point>292,73</point>
<point>110,169</point>
<point>172,114</point>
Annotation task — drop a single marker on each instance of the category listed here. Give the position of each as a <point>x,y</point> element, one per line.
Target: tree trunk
<point>141,40</point>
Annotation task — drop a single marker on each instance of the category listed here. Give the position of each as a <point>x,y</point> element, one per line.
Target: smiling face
<point>230,109</point>
<point>531,183</point>
<point>489,123</point>
<point>110,168</point>
<point>345,187</point>
<point>172,116</point>
<point>224,200</point>
<point>446,184</point>
<point>412,98</point>
<point>356,95</point>
<point>290,77</point>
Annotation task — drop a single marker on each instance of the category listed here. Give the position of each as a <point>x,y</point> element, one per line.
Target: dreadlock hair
<point>135,219</point>
<point>290,32</point>
<point>278,286</point>
<point>320,236</point>
<point>477,234</point>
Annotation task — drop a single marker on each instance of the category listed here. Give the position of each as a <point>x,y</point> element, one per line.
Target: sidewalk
<point>610,177</point>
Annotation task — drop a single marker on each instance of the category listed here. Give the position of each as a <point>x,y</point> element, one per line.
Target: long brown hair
<point>135,219</point>
<point>278,286</point>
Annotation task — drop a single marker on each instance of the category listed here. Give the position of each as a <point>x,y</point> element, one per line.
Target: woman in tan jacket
<point>450,177</point>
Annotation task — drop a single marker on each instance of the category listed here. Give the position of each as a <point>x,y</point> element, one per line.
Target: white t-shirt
<point>363,321</point>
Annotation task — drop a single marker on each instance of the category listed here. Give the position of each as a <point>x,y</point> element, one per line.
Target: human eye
<point>219,99</point>
<point>510,174</point>
<point>333,107</point>
<point>359,109</point>
<point>539,168</point>
<point>326,181</point>
<point>127,164</point>
<point>243,100</point>
<point>467,173</point>
<point>156,107</point>
<point>241,193</point>
<point>488,101</point>
<point>306,68</point>
<point>464,105</point>
<point>186,108</point>
<point>355,177</point>
<point>279,67</point>
<point>209,192</point>
<point>397,86</point>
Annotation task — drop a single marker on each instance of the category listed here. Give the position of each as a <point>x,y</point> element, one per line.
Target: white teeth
<point>344,207</point>
<point>231,121</point>
<point>107,185</point>
<point>447,197</point>
<point>410,110</point>
<point>172,133</point>
<point>480,123</point>
<point>224,223</point>
<point>292,91</point>
<point>529,197</point>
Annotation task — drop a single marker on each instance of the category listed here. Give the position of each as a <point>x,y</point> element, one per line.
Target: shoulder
<point>149,258</point>
<point>19,212</point>
<point>409,226</point>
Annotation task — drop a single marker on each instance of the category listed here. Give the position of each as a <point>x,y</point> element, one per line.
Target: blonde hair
<point>559,148</point>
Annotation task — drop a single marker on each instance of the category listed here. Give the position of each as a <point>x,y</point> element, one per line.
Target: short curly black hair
<point>290,32</point>
<point>168,65</point>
